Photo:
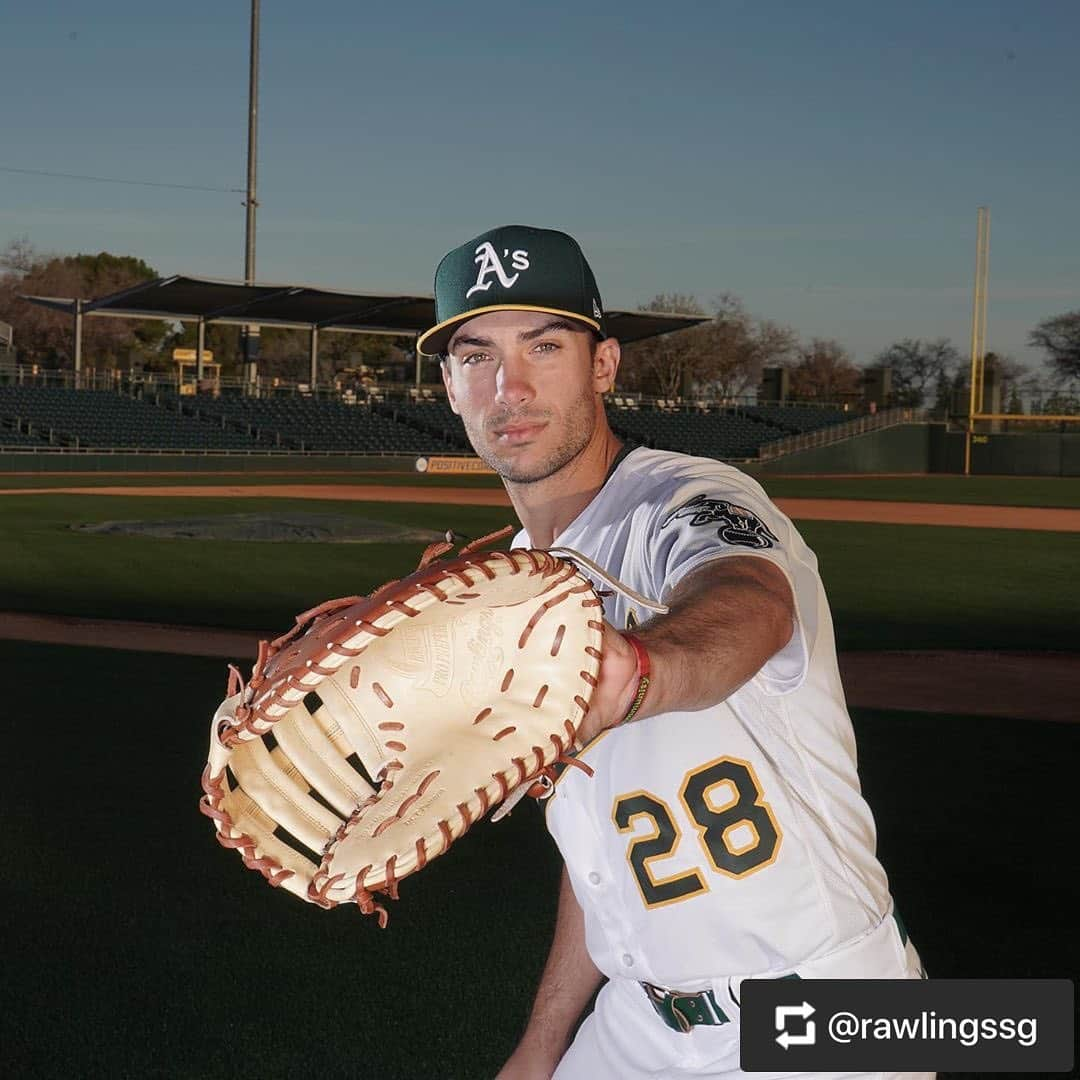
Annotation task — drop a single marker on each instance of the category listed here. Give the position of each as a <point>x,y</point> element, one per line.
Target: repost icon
<point>804,1012</point>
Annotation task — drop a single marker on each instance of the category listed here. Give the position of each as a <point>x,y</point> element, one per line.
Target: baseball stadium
<point>153,535</point>
<point>256,449</point>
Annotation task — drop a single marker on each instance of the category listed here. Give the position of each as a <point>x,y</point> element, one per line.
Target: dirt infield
<point>1033,686</point>
<point>1018,686</point>
<point>1039,518</point>
<point>888,513</point>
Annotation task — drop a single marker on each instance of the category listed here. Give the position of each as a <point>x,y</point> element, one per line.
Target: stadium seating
<point>306,423</point>
<point>109,420</point>
<point>11,438</point>
<point>414,422</point>
<point>721,434</point>
<point>434,416</point>
<point>796,419</point>
<point>32,416</point>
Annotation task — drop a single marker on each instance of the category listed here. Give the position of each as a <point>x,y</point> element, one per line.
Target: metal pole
<point>253,117</point>
<point>417,351</point>
<point>78,340</point>
<point>314,356</point>
<point>982,324</point>
<point>978,332</point>
<point>200,345</point>
<point>251,332</point>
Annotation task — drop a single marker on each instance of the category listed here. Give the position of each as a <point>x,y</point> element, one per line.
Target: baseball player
<point>722,834</point>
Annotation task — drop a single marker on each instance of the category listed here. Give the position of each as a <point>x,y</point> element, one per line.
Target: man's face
<point>525,383</point>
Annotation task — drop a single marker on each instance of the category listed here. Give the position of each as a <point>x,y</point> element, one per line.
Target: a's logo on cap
<point>487,258</point>
<point>597,313</point>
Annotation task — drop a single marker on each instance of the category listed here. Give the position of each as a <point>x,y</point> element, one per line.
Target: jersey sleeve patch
<point>735,524</point>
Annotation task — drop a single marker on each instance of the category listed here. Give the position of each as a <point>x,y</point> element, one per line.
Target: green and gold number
<point>735,827</point>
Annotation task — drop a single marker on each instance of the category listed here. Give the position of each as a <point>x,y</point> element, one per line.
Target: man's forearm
<point>726,620</point>
<point>570,978</point>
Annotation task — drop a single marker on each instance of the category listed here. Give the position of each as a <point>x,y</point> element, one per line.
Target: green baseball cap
<point>512,268</point>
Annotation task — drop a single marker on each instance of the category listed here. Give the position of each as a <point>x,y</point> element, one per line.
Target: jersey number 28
<point>735,827</point>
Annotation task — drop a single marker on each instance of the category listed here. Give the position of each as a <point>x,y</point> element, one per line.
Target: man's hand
<point>528,1062</point>
<point>617,686</point>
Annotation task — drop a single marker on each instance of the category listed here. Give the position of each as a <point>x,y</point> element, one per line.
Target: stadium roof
<point>192,299</point>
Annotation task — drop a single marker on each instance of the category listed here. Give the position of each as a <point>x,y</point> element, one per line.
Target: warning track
<point>1042,519</point>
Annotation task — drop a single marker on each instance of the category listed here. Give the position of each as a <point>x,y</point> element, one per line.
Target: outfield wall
<point>1006,453</point>
<point>901,449</point>
<point>932,448</point>
<point>906,448</point>
<point>197,463</point>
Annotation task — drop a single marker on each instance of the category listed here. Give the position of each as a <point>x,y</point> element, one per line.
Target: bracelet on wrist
<point>644,675</point>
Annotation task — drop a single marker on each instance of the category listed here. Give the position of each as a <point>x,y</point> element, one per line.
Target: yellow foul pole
<point>978,329</point>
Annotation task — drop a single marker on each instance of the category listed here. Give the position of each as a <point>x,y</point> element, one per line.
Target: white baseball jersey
<point>731,841</point>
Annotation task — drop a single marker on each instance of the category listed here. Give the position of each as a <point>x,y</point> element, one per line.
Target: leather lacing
<point>252,717</point>
<point>211,805</point>
<point>543,777</point>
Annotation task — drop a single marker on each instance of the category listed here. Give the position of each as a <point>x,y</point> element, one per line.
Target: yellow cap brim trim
<point>449,324</point>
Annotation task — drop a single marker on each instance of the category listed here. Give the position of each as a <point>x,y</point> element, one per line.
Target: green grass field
<point>143,949</point>
<point>140,948</point>
<point>889,586</point>
<point>45,566</point>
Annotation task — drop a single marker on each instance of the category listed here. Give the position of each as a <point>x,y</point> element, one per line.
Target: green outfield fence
<point>905,448</point>
<point>937,448</point>
<point>150,461</point>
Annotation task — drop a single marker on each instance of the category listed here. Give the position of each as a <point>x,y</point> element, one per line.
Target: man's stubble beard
<point>577,432</point>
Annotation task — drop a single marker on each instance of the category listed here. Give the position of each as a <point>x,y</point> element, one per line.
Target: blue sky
<point>823,161</point>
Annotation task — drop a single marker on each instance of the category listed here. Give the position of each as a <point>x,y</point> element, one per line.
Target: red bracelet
<point>643,671</point>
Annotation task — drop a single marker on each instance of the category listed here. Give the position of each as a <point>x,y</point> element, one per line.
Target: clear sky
<point>822,160</point>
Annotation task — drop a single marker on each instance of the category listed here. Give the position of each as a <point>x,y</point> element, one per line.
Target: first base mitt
<point>373,734</point>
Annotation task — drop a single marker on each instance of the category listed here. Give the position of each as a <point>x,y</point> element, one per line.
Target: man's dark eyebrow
<point>525,335</point>
<point>464,339</point>
<point>547,328</point>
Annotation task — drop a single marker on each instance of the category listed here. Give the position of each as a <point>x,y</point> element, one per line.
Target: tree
<point>825,373</point>
<point>44,335</point>
<point>1010,375</point>
<point>284,352</point>
<point>739,346</point>
<point>18,257</point>
<point>953,390</point>
<point>943,395</point>
<point>1059,338</point>
<point>378,352</point>
<point>916,367</point>
<point>1060,404</point>
<point>666,364</point>
<point>722,356</point>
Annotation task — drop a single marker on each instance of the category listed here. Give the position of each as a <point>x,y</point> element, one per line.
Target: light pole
<point>251,332</point>
<point>978,331</point>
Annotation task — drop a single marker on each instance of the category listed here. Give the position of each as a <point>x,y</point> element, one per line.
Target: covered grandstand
<point>206,301</point>
<point>80,411</point>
